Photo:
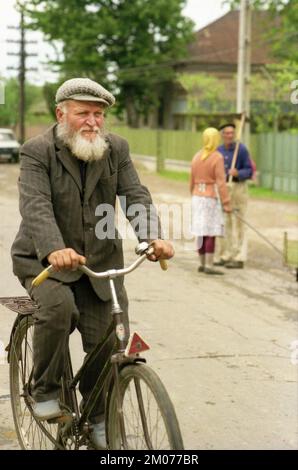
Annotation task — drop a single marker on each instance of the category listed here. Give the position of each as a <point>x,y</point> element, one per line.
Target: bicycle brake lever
<point>142,248</point>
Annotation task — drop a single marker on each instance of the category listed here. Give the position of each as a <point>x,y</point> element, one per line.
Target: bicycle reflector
<point>135,345</point>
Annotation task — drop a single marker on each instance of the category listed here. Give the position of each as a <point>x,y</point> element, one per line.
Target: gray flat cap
<point>84,89</point>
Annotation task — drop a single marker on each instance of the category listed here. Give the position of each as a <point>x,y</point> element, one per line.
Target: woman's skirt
<point>206,217</point>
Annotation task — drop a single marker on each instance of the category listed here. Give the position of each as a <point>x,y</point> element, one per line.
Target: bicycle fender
<point>14,327</point>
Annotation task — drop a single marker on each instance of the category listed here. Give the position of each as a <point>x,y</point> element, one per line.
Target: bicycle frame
<point>114,361</point>
<point>110,369</point>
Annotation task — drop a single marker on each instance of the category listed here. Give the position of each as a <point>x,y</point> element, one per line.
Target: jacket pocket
<point>109,180</point>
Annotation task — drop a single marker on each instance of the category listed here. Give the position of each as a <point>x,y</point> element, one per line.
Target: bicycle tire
<point>141,373</point>
<point>32,434</point>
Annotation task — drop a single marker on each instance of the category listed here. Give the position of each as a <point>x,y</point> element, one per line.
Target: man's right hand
<point>65,259</point>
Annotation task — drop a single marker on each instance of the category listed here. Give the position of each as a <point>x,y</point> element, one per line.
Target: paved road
<point>222,346</point>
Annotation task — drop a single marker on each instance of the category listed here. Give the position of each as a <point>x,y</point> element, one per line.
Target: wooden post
<point>244,66</point>
<point>285,248</point>
<point>160,163</point>
<point>238,138</point>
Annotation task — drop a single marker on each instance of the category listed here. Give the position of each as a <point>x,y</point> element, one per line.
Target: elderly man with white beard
<point>65,174</point>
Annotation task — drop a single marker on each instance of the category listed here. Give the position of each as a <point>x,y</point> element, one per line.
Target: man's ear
<point>59,114</point>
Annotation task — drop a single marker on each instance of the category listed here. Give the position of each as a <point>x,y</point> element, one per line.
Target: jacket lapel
<point>94,172</point>
<point>68,160</point>
<point>71,164</point>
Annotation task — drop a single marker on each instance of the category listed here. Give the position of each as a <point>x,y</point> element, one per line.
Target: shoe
<point>212,271</point>
<point>235,265</point>
<point>221,262</point>
<point>98,436</point>
<point>44,410</point>
<point>201,269</point>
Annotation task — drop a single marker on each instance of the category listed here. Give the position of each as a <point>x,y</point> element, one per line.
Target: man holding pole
<point>233,248</point>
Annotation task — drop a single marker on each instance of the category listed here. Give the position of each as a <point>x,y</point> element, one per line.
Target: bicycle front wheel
<point>32,435</point>
<point>149,417</point>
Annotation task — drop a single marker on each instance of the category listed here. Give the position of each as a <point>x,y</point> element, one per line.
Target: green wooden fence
<point>177,145</point>
<point>276,155</point>
<point>278,161</point>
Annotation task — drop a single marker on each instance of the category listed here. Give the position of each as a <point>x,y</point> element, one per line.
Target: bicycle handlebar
<point>143,249</point>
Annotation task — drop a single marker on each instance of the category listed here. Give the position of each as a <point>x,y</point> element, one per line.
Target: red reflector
<point>136,344</point>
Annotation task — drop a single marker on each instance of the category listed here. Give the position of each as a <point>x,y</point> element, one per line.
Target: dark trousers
<point>62,308</point>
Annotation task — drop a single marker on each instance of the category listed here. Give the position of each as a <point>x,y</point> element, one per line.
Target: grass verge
<point>256,192</point>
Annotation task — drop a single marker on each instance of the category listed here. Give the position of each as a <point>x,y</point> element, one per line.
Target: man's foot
<point>212,271</point>
<point>235,265</point>
<point>98,436</point>
<point>44,410</point>
<point>201,269</point>
<point>221,262</point>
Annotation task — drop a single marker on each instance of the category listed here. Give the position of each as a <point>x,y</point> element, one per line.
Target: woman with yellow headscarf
<point>209,197</point>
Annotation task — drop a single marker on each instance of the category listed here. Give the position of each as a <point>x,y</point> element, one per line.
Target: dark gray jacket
<point>58,213</point>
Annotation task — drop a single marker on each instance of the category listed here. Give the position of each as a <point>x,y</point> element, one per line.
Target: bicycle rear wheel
<point>150,420</point>
<point>32,434</point>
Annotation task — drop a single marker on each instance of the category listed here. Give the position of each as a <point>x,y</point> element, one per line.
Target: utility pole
<point>21,70</point>
<point>244,65</point>
<point>22,74</point>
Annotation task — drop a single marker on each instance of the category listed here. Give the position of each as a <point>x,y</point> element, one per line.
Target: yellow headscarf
<point>211,140</point>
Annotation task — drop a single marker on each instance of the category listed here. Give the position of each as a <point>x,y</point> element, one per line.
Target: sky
<point>201,12</point>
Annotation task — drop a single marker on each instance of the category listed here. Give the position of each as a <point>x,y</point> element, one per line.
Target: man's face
<point>228,135</point>
<point>85,117</point>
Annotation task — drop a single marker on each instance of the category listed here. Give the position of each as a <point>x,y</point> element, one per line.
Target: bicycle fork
<point>118,357</point>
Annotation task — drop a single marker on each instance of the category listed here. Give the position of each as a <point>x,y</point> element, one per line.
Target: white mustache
<point>93,129</point>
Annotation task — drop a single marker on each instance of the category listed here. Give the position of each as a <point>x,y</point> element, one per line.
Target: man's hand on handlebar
<point>66,258</point>
<point>162,250</point>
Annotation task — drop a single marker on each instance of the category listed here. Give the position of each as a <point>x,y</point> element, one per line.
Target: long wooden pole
<point>238,139</point>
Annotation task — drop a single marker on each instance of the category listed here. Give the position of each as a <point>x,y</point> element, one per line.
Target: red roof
<point>217,43</point>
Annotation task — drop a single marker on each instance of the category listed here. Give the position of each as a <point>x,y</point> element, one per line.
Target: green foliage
<point>127,45</point>
<point>9,111</point>
<point>49,92</point>
<point>205,93</point>
<point>274,87</point>
<point>283,36</point>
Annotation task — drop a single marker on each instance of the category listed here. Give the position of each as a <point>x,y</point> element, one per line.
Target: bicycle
<point>138,411</point>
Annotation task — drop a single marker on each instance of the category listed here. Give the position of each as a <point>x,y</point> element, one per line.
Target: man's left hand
<point>162,250</point>
<point>233,172</point>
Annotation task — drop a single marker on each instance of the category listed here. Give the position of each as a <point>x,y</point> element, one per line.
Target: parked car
<point>9,146</point>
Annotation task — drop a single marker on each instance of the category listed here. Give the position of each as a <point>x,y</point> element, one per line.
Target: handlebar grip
<point>163,264</point>
<point>41,277</point>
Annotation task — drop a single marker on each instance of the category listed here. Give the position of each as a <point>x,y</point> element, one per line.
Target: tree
<point>271,97</point>
<point>205,93</point>
<point>284,35</point>
<point>9,111</point>
<point>127,45</point>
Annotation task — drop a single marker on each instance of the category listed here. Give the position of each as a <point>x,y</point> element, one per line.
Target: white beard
<point>80,147</point>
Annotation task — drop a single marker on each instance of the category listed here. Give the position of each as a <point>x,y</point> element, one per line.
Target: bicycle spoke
<point>142,412</point>
<point>32,434</point>
<point>149,416</point>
